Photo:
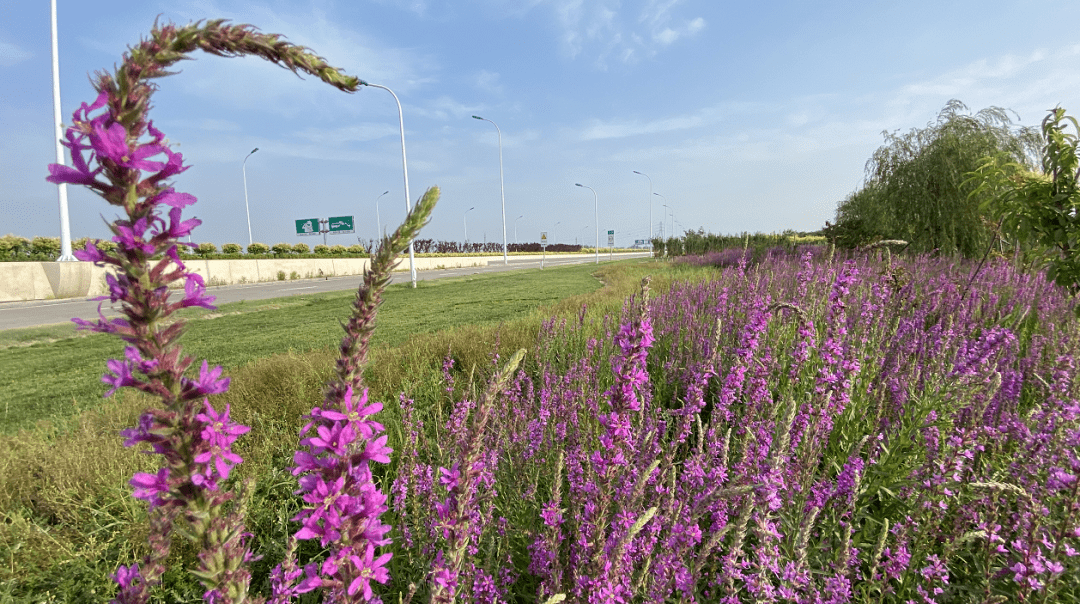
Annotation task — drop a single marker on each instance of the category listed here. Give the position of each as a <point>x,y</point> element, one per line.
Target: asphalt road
<point>36,313</point>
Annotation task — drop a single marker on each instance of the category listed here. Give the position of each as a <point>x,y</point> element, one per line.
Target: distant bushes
<point>47,249</point>
<point>699,243</point>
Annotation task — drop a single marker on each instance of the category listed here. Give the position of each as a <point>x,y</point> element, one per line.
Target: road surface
<point>36,313</point>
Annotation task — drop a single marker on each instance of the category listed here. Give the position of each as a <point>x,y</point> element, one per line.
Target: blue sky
<point>746,116</point>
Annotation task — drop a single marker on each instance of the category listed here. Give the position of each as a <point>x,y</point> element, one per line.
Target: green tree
<point>301,248</point>
<point>917,186</point>
<point>231,248</point>
<point>1041,209</point>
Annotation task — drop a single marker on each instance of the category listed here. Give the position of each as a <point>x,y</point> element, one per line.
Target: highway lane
<point>36,313</point>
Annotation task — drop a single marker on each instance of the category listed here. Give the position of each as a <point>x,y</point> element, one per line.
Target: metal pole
<point>596,212</point>
<point>378,221</point>
<point>502,186</point>
<point>515,228</point>
<point>61,189</point>
<point>650,201</point>
<point>247,209</point>
<point>405,171</point>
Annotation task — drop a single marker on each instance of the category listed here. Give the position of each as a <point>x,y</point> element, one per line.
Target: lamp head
<point>253,150</point>
<point>636,172</point>
<point>578,184</point>
<point>477,117</point>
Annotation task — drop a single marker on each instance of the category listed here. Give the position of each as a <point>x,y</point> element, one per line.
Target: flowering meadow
<point>803,428</point>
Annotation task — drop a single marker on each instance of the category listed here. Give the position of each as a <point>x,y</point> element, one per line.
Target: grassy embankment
<point>67,515</point>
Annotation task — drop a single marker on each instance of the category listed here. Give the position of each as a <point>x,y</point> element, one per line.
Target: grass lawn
<point>54,372</point>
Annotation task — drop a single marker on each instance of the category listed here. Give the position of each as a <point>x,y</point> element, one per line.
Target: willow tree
<point>918,188</point>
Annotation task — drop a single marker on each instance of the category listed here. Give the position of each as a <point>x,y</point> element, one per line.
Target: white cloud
<point>251,83</point>
<point>444,108</point>
<point>604,30</point>
<point>11,54</point>
<point>488,81</point>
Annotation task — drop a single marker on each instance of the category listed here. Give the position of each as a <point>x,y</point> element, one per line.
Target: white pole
<point>405,170</point>
<point>502,185</point>
<point>247,209</point>
<point>650,201</point>
<point>596,212</point>
<point>61,189</point>
<point>515,228</point>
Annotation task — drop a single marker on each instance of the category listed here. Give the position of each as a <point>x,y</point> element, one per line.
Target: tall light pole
<point>405,171</point>
<point>596,213</point>
<point>650,201</point>
<point>502,188</point>
<point>61,188</point>
<point>465,220</point>
<point>378,221</point>
<point>247,209</point>
<point>553,231</point>
<point>515,228</point>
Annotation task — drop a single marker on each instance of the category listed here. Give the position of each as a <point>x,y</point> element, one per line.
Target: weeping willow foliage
<point>917,186</point>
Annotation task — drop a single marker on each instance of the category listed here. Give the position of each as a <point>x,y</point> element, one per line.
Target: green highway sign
<point>307,226</point>
<point>611,238</point>
<point>340,225</point>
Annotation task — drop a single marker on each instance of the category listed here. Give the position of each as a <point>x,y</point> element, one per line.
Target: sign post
<point>543,248</point>
<point>610,243</point>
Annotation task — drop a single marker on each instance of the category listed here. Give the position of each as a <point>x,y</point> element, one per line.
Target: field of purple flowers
<point>774,427</point>
<point>800,431</point>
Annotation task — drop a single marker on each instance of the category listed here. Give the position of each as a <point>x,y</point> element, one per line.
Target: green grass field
<point>54,372</point>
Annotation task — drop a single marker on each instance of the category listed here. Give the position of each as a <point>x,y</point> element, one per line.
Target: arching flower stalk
<point>117,152</point>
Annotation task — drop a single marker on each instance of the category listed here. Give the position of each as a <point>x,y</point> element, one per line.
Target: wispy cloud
<point>606,30</point>
<point>11,54</point>
<point>444,108</point>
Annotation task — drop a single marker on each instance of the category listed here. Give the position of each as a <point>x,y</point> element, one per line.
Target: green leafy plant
<point>1040,208</point>
<point>339,250</point>
<point>231,248</point>
<point>321,249</point>
<point>258,248</point>
<point>301,248</point>
<point>205,249</point>
<point>282,249</point>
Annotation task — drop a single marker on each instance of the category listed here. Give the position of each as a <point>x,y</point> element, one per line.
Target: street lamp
<point>596,213</point>
<point>502,189</point>
<point>464,219</point>
<point>650,201</point>
<point>515,228</point>
<point>247,209</point>
<point>378,221</point>
<point>61,188</point>
<point>405,171</point>
<point>553,231</point>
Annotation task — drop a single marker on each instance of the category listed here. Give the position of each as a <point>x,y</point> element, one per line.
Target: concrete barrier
<point>50,280</point>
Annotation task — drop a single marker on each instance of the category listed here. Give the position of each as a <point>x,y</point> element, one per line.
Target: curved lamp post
<point>465,220</point>
<point>502,188</point>
<point>405,171</point>
<point>553,231</point>
<point>515,227</point>
<point>247,209</point>
<point>378,221</point>
<point>596,213</point>
<point>666,208</point>
<point>650,201</point>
